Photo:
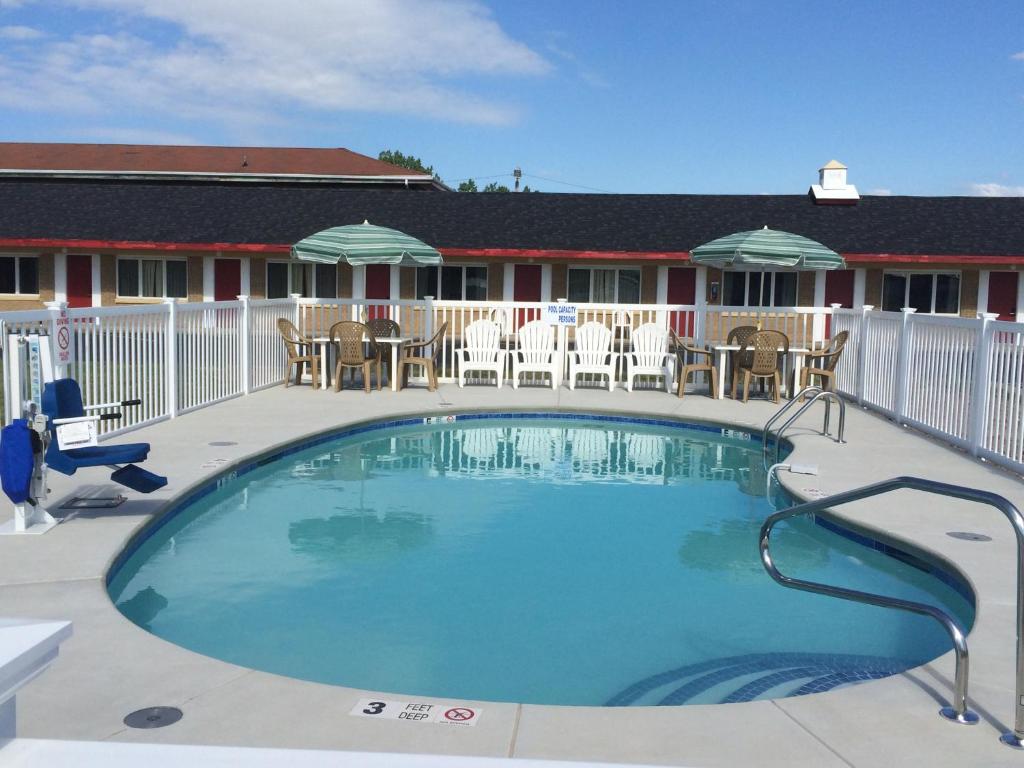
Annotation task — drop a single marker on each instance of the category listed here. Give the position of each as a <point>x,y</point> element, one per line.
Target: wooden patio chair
<point>648,355</point>
<point>738,335</point>
<point>682,349</point>
<point>535,352</point>
<point>348,338</point>
<point>481,351</point>
<point>828,358</point>
<point>299,351</point>
<point>765,348</point>
<point>383,327</point>
<point>429,352</point>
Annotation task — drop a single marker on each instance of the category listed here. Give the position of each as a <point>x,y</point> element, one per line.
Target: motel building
<point>101,225</point>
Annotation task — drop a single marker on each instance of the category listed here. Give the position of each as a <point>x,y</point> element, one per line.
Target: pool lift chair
<point>64,437</point>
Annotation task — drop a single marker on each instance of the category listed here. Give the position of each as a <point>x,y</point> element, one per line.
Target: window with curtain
<point>452,282</point>
<point>152,278</point>
<point>604,285</point>
<point>926,292</point>
<point>277,280</point>
<point>19,274</point>
<point>326,281</point>
<point>759,289</point>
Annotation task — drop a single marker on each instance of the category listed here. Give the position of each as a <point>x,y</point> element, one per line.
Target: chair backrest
<point>62,399</point>
<point>765,347</point>
<point>290,335</point>
<point>740,334</point>
<point>836,351</point>
<point>536,342</point>
<point>383,327</point>
<point>482,341</point>
<point>436,342</point>
<point>349,336</point>
<point>650,345</point>
<point>593,343</point>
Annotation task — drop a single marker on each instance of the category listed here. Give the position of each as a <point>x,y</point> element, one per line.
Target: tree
<point>411,162</point>
<point>496,187</point>
<point>468,186</point>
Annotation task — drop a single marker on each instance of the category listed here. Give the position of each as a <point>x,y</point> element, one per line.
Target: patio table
<point>396,343</point>
<point>795,355</point>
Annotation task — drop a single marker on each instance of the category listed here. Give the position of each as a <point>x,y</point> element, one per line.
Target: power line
<point>566,183</point>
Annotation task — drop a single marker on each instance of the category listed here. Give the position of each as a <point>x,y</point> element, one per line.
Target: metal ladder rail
<point>823,395</point>
<point>959,711</point>
<point>785,409</point>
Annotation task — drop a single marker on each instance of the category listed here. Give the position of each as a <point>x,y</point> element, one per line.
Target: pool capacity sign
<point>417,712</point>
<point>560,314</point>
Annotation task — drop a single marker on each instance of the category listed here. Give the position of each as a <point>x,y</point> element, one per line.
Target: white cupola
<point>832,188</point>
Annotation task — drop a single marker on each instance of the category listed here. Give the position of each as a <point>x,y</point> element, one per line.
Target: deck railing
<point>959,379</point>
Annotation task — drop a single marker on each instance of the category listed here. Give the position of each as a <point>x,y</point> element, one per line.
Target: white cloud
<point>992,189</point>
<point>132,136</point>
<point>1018,56</point>
<point>880,191</point>
<point>12,4</point>
<point>235,61</point>
<point>19,33</point>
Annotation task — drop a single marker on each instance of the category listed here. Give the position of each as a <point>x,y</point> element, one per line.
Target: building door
<point>79,280</point>
<point>526,284</point>
<point>227,279</point>
<point>682,289</point>
<point>1002,294</point>
<point>838,290</point>
<point>378,286</point>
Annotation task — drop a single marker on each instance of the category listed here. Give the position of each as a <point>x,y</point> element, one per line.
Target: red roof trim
<point>494,253</point>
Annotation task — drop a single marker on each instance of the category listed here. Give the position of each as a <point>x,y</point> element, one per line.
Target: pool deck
<point>111,667</point>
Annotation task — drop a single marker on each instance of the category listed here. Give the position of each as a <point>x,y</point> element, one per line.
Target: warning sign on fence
<point>63,341</point>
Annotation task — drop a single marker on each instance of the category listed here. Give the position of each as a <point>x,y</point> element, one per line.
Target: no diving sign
<point>416,712</point>
<point>63,342</point>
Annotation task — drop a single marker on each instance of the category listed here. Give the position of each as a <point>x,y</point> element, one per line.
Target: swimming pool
<point>540,559</point>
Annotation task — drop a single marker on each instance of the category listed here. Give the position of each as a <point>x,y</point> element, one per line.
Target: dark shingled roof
<point>282,214</point>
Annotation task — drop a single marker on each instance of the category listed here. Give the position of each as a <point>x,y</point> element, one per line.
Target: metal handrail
<point>959,711</point>
<point>779,413</point>
<point>825,430</point>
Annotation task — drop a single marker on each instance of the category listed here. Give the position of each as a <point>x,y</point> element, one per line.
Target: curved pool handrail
<point>821,394</point>
<point>959,711</point>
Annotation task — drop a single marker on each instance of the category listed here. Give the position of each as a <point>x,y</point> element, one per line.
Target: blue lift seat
<point>62,399</point>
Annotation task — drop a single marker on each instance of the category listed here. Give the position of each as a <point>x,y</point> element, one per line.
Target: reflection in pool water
<point>535,560</point>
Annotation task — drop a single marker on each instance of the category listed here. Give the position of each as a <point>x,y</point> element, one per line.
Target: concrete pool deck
<point>111,667</point>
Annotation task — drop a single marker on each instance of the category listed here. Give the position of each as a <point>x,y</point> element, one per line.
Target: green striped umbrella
<point>361,244</point>
<point>766,248</point>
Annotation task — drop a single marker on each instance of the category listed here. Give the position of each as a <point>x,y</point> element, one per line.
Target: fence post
<point>298,313</point>
<point>58,310</point>
<point>428,317</point>
<point>700,309</point>
<point>172,357</point>
<point>243,345</point>
<point>903,363</point>
<point>862,351</point>
<point>977,424</point>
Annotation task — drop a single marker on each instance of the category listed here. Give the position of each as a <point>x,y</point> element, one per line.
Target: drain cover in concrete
<point>153,717</point>
<point>222,442</point>
<point>968,536</point>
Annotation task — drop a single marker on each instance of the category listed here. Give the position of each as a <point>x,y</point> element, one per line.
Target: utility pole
<point>517,174</point>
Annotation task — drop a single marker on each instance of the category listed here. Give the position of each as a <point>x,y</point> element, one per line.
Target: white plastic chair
<point>649,355</point>
<point>481,350</point>
<point>535,352</point>
<point>593,354</point>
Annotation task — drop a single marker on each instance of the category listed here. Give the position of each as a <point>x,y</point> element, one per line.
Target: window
<point>19,274</point>
<point>308,280</point>
<point>452,283</point>
<point>759,289</point>
<point>152,278</point>
<point>927,292</point>
<point>604,286</point>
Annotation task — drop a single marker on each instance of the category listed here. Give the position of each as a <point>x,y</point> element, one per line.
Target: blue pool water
<point>542,560</point>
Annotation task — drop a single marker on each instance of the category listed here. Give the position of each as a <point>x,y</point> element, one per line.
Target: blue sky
<point>736,96</point>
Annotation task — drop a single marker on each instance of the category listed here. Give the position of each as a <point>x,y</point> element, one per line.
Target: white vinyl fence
<point>956,378</point>
<point>959,379</point>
